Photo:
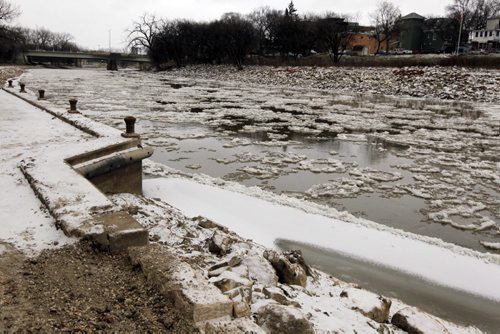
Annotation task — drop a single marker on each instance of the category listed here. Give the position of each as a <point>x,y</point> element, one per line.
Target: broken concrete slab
<point>275,318</point>
<point>191,292</point>
<point>236,326</point>
<point>121,231</point>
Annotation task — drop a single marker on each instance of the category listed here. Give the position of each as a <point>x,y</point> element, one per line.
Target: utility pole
<point>109,38</point>
<point>460,32</point>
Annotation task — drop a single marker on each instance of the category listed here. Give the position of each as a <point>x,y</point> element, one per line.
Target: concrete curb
<point>71,122</point>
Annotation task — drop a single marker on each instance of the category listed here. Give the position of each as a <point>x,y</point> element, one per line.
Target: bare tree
<point>473,12</point>
<point>335,32</point>
<point>385,18</point>
<point>43,38</point>
<point>239,37</point>
<point>142,31</point>
<point>262,19</point>
<point>8,12</point>
<point>9,37</point>
<point>63,42</point>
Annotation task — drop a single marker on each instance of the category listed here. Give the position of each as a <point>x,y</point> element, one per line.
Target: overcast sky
<point>89,21</point>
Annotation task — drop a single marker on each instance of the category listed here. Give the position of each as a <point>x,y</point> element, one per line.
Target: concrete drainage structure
<point>114,169</point>
<point>73,188</point>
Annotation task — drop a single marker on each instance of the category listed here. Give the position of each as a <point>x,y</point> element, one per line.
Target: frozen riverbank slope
<point>252,276</point>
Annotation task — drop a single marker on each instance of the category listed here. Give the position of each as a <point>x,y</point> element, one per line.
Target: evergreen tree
<point>291,10</point>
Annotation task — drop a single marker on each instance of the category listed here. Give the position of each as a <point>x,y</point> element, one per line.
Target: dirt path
<point>79,289</point>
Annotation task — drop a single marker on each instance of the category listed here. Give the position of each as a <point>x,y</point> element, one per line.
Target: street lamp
<point>460,31</point>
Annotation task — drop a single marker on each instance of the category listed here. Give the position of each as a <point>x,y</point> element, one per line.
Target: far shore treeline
<point>16,39</point>
<point>234,36</point>
<point>285,36</point>
<point>264,36</point>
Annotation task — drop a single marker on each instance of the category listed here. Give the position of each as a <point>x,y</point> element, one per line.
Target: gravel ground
<point>79,289</point>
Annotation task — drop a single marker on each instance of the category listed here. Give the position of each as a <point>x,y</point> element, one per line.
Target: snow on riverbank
<point>241,269</point>
<point>264,222</point>
<point>26,131</point>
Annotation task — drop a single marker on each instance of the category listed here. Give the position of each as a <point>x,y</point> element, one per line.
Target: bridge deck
<point>84,55</point>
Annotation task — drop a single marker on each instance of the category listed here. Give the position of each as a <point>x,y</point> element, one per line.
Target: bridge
<point>77,58</point>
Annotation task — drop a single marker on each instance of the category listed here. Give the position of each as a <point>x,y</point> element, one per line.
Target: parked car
<point>401,52</point>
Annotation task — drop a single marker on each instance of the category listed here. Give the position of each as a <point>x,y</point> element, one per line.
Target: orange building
<point>365,43</point>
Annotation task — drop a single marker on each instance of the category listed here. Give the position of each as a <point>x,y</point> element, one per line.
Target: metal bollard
<point>41,94</point>
<point>72,106</point>
<point>22,87</point>
<point>10,84</point>
<point>130,128</point>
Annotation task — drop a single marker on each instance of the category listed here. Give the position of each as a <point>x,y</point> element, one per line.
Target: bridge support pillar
<point>78,62</point>
<point>113,62</point>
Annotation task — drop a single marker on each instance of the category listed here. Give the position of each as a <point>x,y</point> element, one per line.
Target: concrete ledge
<point>191,293</point>
<point>117,172</point>
<point>95,154</point>
<point>79,208</point>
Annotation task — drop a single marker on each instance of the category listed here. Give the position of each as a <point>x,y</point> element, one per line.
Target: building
<point>411,34</point>
<point>364,44</point>
<point>432,35</point>
<point>487,39</point>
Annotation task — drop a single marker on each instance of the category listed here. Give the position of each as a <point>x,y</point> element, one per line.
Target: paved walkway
<point>25,130</point>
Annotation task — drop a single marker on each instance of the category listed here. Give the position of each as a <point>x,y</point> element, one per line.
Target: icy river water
<point>425,166</point>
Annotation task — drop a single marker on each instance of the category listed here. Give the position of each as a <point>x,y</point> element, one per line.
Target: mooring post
<point>41,94</point>
<point>10,84</point>
<point>130,128</point>
<point>22,84</point>
<point>72,106</point>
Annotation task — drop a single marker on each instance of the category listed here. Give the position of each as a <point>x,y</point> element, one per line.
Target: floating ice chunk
<point>376,175</point>
<point>491,245</point>
<point>237,142</point>
<point>193,166</point>
<point>338,188</point>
